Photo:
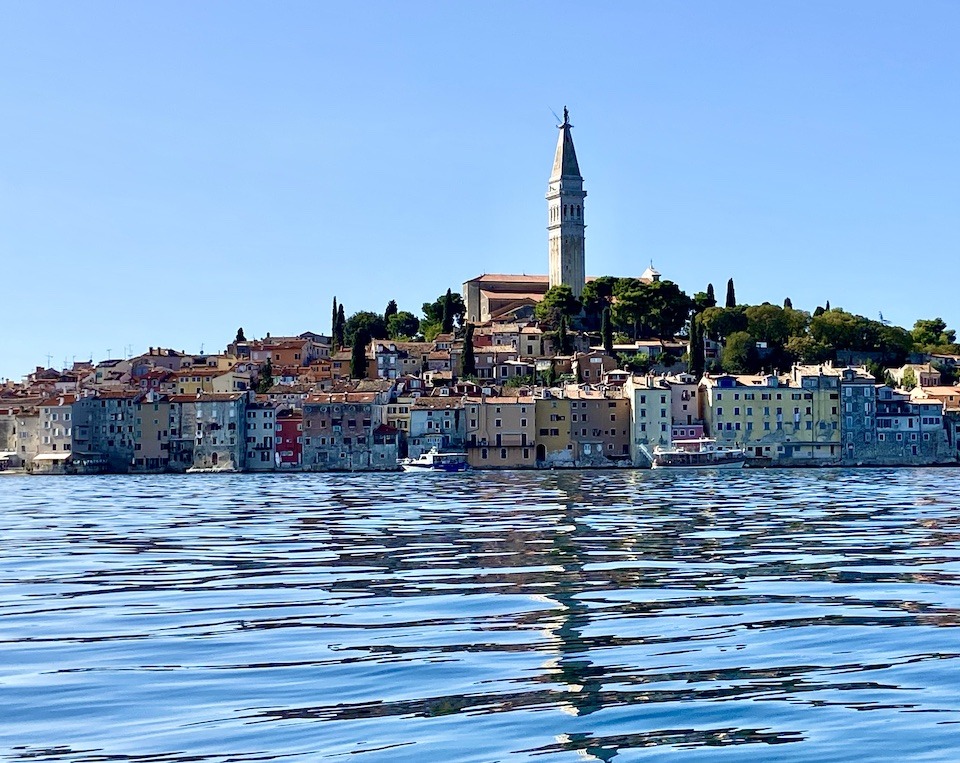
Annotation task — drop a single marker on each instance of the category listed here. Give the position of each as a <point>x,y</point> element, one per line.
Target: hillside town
<point>518,371</point>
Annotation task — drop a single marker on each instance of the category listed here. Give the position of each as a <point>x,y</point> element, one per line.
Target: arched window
<point>578,210</point>
<point>564,210</point>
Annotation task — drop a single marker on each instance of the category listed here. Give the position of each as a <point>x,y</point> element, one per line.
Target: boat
<point>435,461</point>
<point>699,453</point>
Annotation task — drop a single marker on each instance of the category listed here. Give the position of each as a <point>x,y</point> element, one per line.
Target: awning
<point>4,455</point>
<point>52,457</point>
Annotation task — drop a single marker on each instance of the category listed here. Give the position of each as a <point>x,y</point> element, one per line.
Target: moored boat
<point>434,461</point>
<point>699,453</point>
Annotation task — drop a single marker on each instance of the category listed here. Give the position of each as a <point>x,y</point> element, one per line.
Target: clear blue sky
<point>173,170</point>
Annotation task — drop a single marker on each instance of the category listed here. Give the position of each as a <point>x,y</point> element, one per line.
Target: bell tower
<point>565,227</point>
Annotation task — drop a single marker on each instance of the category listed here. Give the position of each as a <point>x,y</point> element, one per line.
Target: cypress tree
<point>731,295</point>
<point>340,340</point>
<point>391,310</point>
<point>333,321</point>
<point>787,304</point>
<point>697,357</point>
<point>562,337</point>
<point>240,336</point>
<point>606,331</point>
<point>469,362</point>
<point>266,377</point>
<point>446,324</point>
<point>358,360</point>
<point>711,297</point>
<point>827,306</point>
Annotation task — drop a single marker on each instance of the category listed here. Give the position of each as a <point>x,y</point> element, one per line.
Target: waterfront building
<point>501,432</point>
<point>104,427</point>
<point>151,432</point>
<point>343,432</point>
<point>858,424</point>
<point>552,417</point>
<point>54,446</point>
<point>436,422</point>
<point>207,431</point>
<point>289,438</point>
<point>599,425</point>
<point>261,436</point>
<point>649,415</point>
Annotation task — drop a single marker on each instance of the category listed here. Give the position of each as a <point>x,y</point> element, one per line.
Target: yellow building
<point>500,432</point>
<point>793,417</point>
<point>554,445</point>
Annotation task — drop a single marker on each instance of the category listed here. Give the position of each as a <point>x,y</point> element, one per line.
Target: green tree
<point>446,317</point>
<point>596,295</point>
<point>340,338</point>
<point>639,363</point>
<point>468,360</point>
<point>787,304</point>
<point>403,325</point>
<point>240,336</point>
<point>333,321</point>
<point>768,323</point>
<point>711,297</point>
<point>933,332</point>
<point>805,349</point>
<point>719,322</point>
<point>731,295</point>
<point>358,356</point>
<point>697,357</point>
<point>265,381</point>
<point>391,309</point>
<point>557,303</point>
<point>433,311</point>
<point>739,354</point>
<point>909,380</point>
<point>563,338</point>
<point>369,322</point>
<point>606,331</point>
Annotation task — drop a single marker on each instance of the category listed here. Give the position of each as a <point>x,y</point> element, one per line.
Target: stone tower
<point>565,226</point>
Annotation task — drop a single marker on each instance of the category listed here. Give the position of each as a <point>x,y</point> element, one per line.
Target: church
<point>503,297</point>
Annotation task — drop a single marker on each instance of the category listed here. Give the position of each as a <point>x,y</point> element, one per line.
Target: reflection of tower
<point>575,669</point>
<point>565,207</point>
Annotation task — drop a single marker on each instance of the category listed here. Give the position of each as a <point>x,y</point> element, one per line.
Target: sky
<point>172,171</point>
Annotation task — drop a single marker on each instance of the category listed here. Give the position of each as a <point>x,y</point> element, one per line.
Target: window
<point>503,454</point>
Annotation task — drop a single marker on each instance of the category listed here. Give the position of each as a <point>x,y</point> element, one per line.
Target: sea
<point>755,615</point>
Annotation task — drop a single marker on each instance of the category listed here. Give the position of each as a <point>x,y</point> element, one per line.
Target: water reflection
<point>554,616</point>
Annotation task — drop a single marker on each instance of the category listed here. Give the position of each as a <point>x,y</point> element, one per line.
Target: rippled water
<point>761,615</point>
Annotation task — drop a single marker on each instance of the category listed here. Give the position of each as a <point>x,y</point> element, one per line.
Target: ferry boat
<point>700,453</point>
<point>434,461</point>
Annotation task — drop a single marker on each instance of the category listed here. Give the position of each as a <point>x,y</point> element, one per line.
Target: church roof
<point>565,160</point>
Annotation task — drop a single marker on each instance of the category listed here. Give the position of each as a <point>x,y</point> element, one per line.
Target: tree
<point>787,303</point>
<point>403,325</point>
<point>468,360</point>
<point>358,357</point>
<point>804,349</point>
<point>333,320</point>
<point>933,333</point>
<point>563,338</point>
<point>433,311</point>
<point>768,323</point>
<point>697,356</point>
<point>731,295</point>
<point>391,309</point>
<point>638,363</point>
<point>711,296</point>
<point>446,318</point>
<point>606,331</point>
<point>739,353</point>
<point>909,380</point>
<point>266,377</point>
<point>369,322</point>
<point>240,336</point>
<point>596,295</point>
<point>719,322</point>
<point>340,338</point>
<point>557,303</point>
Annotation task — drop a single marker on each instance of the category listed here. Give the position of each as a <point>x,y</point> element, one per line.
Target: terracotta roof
<point>435,402</point>
<point>342,397</point>
<point>208,397</point>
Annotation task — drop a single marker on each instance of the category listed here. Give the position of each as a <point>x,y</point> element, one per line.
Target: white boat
<point>434,461</point>
<point>700,453</point>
